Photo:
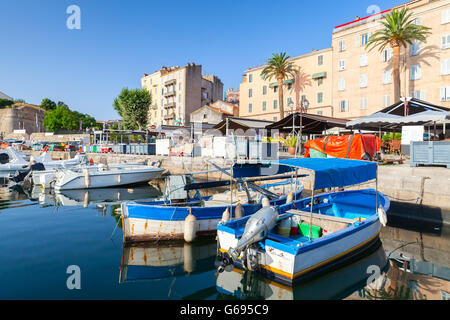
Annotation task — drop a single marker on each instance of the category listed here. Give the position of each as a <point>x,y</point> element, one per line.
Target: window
<point>446,41</point>
<point>387,76</point>
<point>289,102</point>
<point>415,72</point>
<point>364,39</point>
<point>264,106</point>
<point>363,81</point>
<point>446,16</point>
<point>363,103</point>
<point>275,119</point>
<point>363,60</point>
<point>205,116</point>
<point>320,60</point>
<point>320,97</point>
<point>415,48</point>
<point>386,100</point>
<point>387,55</point>
<point>445,94</point>
<point>250,78</point>
<point>341,66</point>
<point>417,21</point>
<point>341,84</point>
<point>275,89</point>
<point>264,90</point>
<point>343,106</point>
<point>418,94</point>
<point>319,82</point>
<point>250,93</point>
<point>275,104</point>
<point>250,108</point>
<point>320,113</point>
<point>445,67</point>
<point>289,86</point>
<point>341,45</point>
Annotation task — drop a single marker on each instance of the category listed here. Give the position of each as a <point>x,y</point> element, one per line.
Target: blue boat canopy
<point>335,172</point>
<point>329,173</point>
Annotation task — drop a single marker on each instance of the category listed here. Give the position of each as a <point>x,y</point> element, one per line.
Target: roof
<point>335,172</point>
<point>235,123</point>
<point>311,123</point>
<point>4,96</point>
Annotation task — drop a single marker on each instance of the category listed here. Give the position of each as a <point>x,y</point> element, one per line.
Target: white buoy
<point>290,198</point>
<point>87,180</point>
<point>225,216</point>
<point>86,199</point>
<point>188,256</point>
<point>190,227</point>
<point>265,202</point>
<point>382,216</point>
<point>238,211</point>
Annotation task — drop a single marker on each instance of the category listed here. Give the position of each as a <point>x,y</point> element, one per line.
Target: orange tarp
<point>356,146</point>
<point>3,146</point>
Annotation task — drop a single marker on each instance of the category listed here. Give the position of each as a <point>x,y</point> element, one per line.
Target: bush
<point>388,136</point>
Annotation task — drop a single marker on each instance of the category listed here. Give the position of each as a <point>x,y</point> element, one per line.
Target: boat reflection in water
<point>87,197</point>
<point>338,284</point>
<point>154,261</point>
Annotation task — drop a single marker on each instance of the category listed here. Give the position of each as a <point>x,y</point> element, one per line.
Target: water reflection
<point>161,260</point>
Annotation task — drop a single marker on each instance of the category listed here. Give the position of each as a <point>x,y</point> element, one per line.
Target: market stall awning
<point>311,123</point>
<point>245,124</point>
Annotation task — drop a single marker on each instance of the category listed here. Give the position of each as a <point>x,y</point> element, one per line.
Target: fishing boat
<point>289,242</point>
<point>105,176</point>
<point>183,215</point>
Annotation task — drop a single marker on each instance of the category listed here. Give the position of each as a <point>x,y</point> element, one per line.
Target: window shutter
<point>357,41</point>
<point>443,94</point>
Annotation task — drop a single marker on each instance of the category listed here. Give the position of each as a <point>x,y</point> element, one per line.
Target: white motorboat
<point>12,160</point>
<point>105,176</point>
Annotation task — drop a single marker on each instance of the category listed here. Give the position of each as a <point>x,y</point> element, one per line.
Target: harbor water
<point>46,239</point>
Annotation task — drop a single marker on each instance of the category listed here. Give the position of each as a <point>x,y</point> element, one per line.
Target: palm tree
<point>399,30</point>
<point>280,68</point>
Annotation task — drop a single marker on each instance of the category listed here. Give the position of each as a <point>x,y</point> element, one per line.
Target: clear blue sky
<point>119,41</point>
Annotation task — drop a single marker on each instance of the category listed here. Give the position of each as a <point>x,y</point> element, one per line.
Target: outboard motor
<point>256,229</point>
<point>4,158</point>
<point>23,176</point>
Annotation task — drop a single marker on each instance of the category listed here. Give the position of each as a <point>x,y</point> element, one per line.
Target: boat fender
<point>265,202</point>
<point>382,216</point>
<point>87,180</point>
<point>86,199</point>
<point>290,198</point>
<point>225,216</point>
<point>118,178</point>
<point>188,256</point>
<point>238,211</point>
<point>190,227</point>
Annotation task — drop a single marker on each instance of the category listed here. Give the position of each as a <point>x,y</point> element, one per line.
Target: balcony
<point>170,82</point>
<point>170,105</point>
<point>169,116</point>
<point>170,93</point>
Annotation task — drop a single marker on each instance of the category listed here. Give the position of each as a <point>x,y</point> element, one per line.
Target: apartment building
<point>178,91</point>
<point>313,83</point>
<point>348,81</point>
<point>363,82</point>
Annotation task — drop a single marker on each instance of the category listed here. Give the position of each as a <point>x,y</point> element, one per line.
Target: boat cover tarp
<point>357,147</point>
<point>335,172</point>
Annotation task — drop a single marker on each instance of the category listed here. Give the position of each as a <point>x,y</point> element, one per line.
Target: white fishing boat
<point>295,240</point>
<point>105,176</point>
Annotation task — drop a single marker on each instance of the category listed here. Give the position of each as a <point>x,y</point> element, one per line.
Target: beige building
<point>363,82</point>
<point>177,92</point>
<point>259,98</point>
<point>347,81</point>
<point>21,116</point>
<point>214,113</point>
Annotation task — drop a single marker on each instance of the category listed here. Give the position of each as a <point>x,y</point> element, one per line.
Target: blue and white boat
<point>292,241</point>
<point>186,217</point>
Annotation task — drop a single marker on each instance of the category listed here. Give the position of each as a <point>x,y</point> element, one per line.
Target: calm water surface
<point>42,234</point>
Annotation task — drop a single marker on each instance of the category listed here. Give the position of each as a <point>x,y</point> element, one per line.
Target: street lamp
<point>303,108</point>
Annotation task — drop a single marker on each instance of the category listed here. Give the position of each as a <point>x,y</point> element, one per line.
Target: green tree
<point>5,103</point>
<point>399,31</point>
<point>133,105</point>
<point>48,104</point>
<point>280,68</point>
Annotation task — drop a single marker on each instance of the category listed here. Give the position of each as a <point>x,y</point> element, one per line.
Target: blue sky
<point>119,41</point>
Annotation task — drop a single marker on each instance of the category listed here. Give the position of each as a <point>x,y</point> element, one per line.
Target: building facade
<point>21,116</point>
<point>232,96</point>
<point>214,113</point>
<point>363,79</point>
<point>259,98</point>
<point>176,92</point>
<point>348,81</point>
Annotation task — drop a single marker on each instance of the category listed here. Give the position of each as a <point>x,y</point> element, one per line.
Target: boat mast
<point>312,202</point>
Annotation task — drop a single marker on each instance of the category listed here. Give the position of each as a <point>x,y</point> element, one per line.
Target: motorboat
<point>288,242</point>
<point>105,176</point>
